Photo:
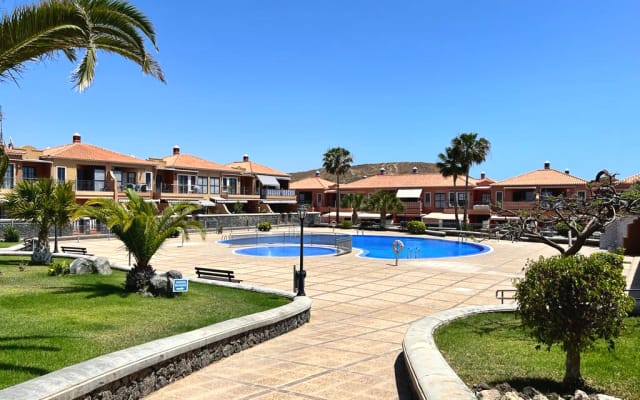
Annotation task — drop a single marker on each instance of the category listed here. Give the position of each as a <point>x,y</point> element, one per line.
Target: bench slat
<point>216,274</point>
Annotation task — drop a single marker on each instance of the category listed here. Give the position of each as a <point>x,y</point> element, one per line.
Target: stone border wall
<point>137,371</point>
<point>430,375</point>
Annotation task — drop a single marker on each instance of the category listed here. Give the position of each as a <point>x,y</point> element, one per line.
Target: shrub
<point>11,234</point>
<point>346,225</point>
<point>573,301</point>
<point>59,268</point>
<point>264,226</point>
<point>416,227</point>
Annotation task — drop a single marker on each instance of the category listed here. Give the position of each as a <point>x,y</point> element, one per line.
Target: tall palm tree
<point>337,161</point>
<point>43,203</point>
<point>383,202</point>
<point>449,165</point>
<point>34,32</point>
<point>355,201</point>
<point>472,150</point>
<point>142,229</point>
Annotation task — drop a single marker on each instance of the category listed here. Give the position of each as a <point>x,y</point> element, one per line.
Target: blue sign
<point>180,285</point>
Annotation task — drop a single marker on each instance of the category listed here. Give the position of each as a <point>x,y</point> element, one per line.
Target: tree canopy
<point>337,161</point>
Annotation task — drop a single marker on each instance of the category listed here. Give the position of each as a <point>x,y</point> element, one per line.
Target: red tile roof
<point>314,182</point>
<point>541,177</point>
<point>193,162</point>
<point>251,167</point>
<point>631,179</point>
<point>89,152</point>
<point>405,181</point>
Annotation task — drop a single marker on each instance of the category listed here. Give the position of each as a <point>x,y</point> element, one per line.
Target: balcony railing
<point>278,193</point>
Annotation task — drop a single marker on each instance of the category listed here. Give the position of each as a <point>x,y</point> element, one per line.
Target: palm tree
<point>34,32</point>
<point>63,206</point>
<point>142,229</point>
<point>337,161</point>
<point>383,202</point>
<point>471,151</point>
<point>449,165</point>
<point>45,204</point>
<point>355,201</point>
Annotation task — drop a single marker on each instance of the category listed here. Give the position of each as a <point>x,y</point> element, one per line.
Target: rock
<point>490,394</point>
<point>510,396</point>
<point>173,274</point>
<point>81,266</point>
<point>530,392</point>
<point>102,266</point>
<point>159,285</point>
<point>580,395</point>
<point>504,387</point>
<point>605,397</point>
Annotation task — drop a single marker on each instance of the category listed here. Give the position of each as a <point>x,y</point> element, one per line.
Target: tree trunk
<point>41,254</point>
<point>138,279</point>
<point>572,376</point>
<point>455,201</point>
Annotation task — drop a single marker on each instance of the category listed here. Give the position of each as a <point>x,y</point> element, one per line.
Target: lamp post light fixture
<point>302,213</point>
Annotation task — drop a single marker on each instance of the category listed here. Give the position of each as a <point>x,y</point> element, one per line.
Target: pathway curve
<point>351,348</point>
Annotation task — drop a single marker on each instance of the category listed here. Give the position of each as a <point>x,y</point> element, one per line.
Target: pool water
<point>285,251</point>
<point>371,246</point>
<point>414,247</point>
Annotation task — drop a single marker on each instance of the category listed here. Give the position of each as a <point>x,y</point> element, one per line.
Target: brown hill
<point>359,171</point>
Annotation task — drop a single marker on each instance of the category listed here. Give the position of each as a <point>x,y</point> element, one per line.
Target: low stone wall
<point>137,371</point>
<point>430,375</point>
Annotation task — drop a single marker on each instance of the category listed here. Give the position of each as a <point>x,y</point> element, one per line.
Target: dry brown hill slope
<point>359,171</point>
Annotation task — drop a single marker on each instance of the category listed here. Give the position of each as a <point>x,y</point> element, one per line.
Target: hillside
<point>359,171</point>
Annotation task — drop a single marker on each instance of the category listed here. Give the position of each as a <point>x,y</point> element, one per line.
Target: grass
<point>49,322</point>
<point>493,348</point>
<point>4,245</point>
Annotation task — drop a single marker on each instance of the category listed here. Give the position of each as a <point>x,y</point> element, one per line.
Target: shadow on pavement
<point>402,381</point>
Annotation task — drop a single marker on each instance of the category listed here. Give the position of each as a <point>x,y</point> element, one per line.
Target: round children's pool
<point>285,251</point>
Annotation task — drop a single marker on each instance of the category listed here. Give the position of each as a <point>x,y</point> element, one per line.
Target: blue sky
<point>285,80</point>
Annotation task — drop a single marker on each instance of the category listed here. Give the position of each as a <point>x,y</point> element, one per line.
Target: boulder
<point>159,285</point>
<point>491,394</point>
<point>81,266</point>
<point>102,266</point>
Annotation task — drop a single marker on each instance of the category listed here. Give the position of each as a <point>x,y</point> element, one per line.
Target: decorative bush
<point>11,234</point>
<point>264,226</point>
<point>346,225</point>
<point>416,227</point>
<point>59,268</point>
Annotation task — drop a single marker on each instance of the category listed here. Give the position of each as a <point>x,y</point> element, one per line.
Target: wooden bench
<point>216,274</point>
<point>75,250</point>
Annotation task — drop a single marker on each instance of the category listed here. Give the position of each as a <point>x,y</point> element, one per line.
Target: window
<point>427,199</point>
<point>582,197</point>
<point>9,177</point>
<point>440,200</point>
<point>186,183</point>
<point>230,185</point>
<point>202,184</point>
<point>128,180</point>
<point>524,195</point>
<point>28,173</point>
<point>61,174</point>
<point>319,199</point>
<point>215,185</point>
<point>485,198</point>
<point>462,199</point>
<point>98,179</point>
<point>499,198</point>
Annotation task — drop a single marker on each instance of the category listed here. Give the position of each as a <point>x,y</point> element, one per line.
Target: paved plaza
<point>351,348</point>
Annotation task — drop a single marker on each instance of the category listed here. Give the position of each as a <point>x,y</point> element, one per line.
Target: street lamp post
<point>302,213</point>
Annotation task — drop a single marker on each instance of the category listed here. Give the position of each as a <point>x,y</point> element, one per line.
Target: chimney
<point>176,150</point>
<point>415,170</point>
<point>245,157</point>
<point>317,173</point>
<point>76,138</point>
<point>483,175</point>
<point>566,171</point>
<point>547,165</point>
<point>382,171</point>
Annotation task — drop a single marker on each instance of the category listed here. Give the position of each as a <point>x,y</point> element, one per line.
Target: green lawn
<point>51,322</point>
<point>493,348</point>
<point>4,245</point>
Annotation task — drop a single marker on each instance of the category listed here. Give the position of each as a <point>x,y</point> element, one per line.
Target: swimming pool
<point>371,246</point>
<point>415,247</point>
<point>285,251</point>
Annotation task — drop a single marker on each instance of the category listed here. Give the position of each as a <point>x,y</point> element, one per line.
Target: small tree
<point>356,202</point>
<point>337,161</point>
<point>142,228</point>
<point>573,301</point>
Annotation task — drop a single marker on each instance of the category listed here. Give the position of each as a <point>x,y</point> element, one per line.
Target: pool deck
<point>351,348</point>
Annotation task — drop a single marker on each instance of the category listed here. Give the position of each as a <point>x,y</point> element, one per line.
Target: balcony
<point>278,194</point>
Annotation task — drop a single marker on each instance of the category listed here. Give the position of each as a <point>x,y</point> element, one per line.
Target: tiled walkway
<point>361,310</point>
